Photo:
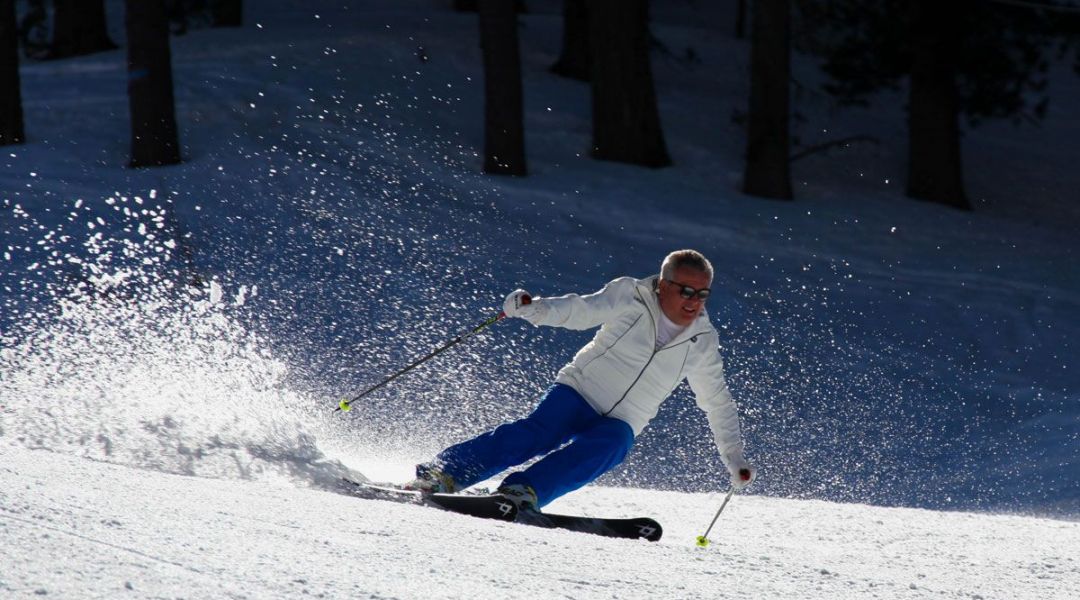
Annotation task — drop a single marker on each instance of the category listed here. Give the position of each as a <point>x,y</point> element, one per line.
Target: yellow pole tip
<point>344,405</point>
<point>702,541</point>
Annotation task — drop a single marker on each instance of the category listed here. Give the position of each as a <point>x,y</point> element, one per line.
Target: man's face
<point>683,311</point>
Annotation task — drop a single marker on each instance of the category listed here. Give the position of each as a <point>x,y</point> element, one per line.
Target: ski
<point>640,528</point>
<point>484,507</point>
<point>494,506</point>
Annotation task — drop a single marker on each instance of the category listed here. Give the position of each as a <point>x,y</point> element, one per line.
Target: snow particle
<point>215,292</point>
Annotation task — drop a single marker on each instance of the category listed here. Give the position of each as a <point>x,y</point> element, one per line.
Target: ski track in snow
<point>77,528</point>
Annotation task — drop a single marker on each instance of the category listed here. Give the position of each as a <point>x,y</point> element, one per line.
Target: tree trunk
<point>79,28</point>
<point>11,117</point>
<point>626,120</point>
<point>154,138</point>
<point>740,19</point>
<point>767,138</point>
<point>935,169</point>
<point>227,13</point>
<point>574,60</point>
<point>504,127</point>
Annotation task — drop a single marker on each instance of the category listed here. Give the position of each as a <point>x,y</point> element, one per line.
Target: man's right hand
<point>519,304</point>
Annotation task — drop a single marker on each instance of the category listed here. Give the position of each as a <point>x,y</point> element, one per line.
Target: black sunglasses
<point>688,292</point>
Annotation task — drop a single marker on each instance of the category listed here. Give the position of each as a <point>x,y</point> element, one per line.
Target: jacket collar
<point>648,288</point>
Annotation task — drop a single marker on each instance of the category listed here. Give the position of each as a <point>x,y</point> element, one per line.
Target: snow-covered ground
<point>172,341</point>
<point>76,528</point>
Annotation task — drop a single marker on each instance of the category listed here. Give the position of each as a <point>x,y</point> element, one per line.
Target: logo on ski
<point>506,508</point>
<point>646,530</point>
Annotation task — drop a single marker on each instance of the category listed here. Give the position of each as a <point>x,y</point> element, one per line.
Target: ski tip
<point>650,530</point>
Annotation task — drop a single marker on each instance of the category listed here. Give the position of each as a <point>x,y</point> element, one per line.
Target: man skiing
<point>654,332</point>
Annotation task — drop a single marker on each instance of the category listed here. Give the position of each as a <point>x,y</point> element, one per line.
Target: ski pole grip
<point>525,300</point>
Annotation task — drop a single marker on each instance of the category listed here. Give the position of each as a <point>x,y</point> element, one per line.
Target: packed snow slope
<point>76,528</point>
<point>329,225</point>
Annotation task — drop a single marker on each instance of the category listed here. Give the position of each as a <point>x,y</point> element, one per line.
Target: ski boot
<point>521,495</point>
<point>431,480</point>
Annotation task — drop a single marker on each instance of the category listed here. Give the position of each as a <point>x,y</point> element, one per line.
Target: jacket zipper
<point>642,372</point>
<point>648,362</point>
<point>606,350</point>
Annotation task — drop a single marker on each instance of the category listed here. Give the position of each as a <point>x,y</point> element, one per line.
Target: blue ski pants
<point>594,444</point>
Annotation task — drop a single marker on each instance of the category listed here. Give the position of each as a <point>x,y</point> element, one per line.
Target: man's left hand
<point>742,473</point>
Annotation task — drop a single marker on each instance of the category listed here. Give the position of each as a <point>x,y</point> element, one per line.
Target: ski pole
<point>703,540</point>
<point>346,404</point>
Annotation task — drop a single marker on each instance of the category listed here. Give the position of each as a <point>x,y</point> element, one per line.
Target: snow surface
<point>77,528</point>
<point>172,341</point>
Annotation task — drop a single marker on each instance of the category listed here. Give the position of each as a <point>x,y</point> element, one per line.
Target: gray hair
<point>690,259</point>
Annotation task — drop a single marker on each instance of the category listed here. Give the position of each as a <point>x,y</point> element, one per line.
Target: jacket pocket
<point>612,345</point>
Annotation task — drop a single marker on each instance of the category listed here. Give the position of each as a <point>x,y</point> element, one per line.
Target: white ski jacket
<point>621,374</point>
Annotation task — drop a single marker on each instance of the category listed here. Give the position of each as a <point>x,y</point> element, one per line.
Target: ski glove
<point>519,304</point>
<point>741,471</point>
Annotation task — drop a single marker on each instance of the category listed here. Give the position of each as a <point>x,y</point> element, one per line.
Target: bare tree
<point>154,139</point>
<point>768,172</point>
<point>504,127</point>
<point>79,28</point>
<point>935,169</point>
<point>574,60</point>
<point>11,117</point>
<point>626,119</point>
<point>740,19</point>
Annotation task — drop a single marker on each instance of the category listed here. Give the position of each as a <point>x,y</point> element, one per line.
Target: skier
<point>654,332</point>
